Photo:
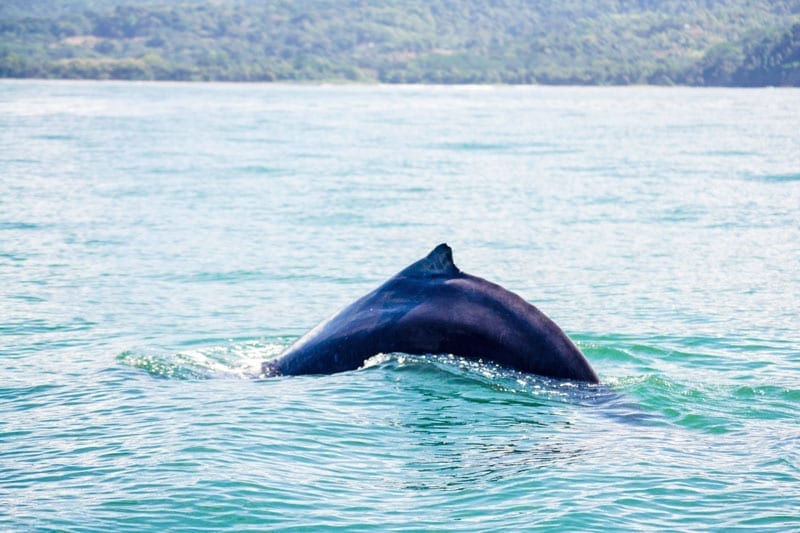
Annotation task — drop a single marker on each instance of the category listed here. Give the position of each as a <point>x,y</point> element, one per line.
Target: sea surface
<point>158,241</point>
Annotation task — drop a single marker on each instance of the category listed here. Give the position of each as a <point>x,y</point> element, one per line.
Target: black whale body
<point>431,307</point>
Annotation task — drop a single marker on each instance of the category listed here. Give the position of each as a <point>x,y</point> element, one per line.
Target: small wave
<point>19,226</point>
<point>261,170</point>
<point>488,374</point>
<point>54,137</point>
<point>227,277</point>
<point>476,146</point>
<point>237,360</point>
<point>710,407</point>
<point>778,178</point>
<point>29,326</point>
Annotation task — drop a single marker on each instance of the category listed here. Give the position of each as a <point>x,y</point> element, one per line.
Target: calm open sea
<point>158,241</point>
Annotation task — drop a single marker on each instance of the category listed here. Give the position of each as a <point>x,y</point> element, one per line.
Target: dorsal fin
<point>437,263</point>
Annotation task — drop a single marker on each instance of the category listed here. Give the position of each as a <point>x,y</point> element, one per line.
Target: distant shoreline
<point>339,83</point>
<point>740,43</point>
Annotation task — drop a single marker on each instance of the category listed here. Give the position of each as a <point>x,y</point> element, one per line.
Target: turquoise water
<point>158,241</point>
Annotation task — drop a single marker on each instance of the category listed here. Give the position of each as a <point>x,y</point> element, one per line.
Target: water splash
<point>233,360</point>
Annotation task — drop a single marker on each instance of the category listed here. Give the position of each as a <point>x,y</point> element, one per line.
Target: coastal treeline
<point>690,42</point>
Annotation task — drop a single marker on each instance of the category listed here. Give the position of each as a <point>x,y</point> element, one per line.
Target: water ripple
<point>158,241</point>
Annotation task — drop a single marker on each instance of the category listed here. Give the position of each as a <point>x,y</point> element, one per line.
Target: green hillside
<point>712,42</point>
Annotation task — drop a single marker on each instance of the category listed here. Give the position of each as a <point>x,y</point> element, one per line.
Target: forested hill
<point>692,42</point>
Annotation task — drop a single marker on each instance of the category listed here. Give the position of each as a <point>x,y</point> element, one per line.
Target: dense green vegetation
<point>694,42</point>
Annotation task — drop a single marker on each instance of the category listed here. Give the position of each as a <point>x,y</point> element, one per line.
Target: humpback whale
<point>432,307</point>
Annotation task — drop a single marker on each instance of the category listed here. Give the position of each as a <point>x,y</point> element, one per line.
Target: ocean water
<point>158,241</point>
